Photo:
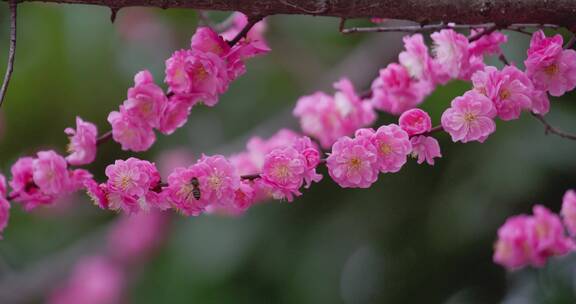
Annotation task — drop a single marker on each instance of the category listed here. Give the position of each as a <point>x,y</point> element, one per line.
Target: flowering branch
<point>252,20</point>
<point>13,4</point>
<point>488,28</point>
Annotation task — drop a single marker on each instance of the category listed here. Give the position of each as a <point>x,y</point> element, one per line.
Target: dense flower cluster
<point>198,74</point>
<point>531,240</point>
<point>328,118</point>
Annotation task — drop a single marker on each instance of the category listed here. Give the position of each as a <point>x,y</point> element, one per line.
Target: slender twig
<point>433,27</point>
<point>570,42</point>
<point>252,20</point>
<point>13,4</point>
<point>486,31</point>
<point>549,129</point>
<point>433,130</point>
<point>503,58</point>
<point>104,138</point>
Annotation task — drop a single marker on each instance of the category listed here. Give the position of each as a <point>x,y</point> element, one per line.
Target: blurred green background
<point>423,235</point>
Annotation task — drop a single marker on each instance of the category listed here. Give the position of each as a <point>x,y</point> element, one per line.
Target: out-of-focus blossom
<point>82,147</point>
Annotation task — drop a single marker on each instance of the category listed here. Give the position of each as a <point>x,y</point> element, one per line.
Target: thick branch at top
<point>502,12</point>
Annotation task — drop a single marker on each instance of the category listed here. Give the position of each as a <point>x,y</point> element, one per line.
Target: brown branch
<point>549,129</point>
<point>252,20</point>
<point>13,4</point>
<point>104,138</point>
<point>560,12</point>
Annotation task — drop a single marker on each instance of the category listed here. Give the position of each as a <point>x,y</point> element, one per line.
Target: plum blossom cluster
<point>102,278</point>
<point>356,162</point>
<point>328,118</point>
<point>200,73</point>
<point>532,239</point>
<point>404,85</point>
<point>505,93</point>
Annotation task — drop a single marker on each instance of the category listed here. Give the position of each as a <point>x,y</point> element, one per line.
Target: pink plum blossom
<point>4,205</point>
<point>415,121</point>
<point>328,118</point>
<point>129,132</point>
<point>182,190</point>
<point>569,211</point>
<point>311,154</point>
<point>94,280</point>
<point>470,118</point>
<point>82,147</point>
<point>220,180</point>
<point>550,237</point>
<point>516,243</point>
<point>353,163</point>
<point>549,66</point>
<point>98,193</point>
<point>253,44</point>
<point>207,40</point>
<point>417,61</point>
<point>510,90</point>
<point>50,172</point>
<point>244,196</point>
<point>146,100</point>
<point>540,102</point>
<point>176,113</point>
<point>487,44</point>
<point>24,190</point>
<point>392,147</point>
<point>451,52</point>
<point>129,183</point>
<point>197,73</point>
<point>425,148</point>
<point>283,172</point>
<point>394,91</point>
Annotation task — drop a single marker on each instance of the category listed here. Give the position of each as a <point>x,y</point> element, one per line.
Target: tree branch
<point>13,4</point>
<point>549,129</point>
<point>501,12</point>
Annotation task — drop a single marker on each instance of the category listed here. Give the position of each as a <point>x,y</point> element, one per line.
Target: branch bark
<point>501,12</point>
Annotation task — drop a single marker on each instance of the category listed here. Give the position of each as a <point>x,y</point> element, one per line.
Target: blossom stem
<point>13,4</point>
<point>252,20</point>
<point>549,129</point>
<point>104,138</point>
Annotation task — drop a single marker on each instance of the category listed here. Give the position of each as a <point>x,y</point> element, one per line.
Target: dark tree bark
<point>502,12</point>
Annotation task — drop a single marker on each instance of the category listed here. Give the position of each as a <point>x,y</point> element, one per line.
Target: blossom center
<point>504,94</point>
<point>469,117</point>
<point>385,149</point>
<point>551,69</point>
<point>186,191</point>
<point>215,181</point>
<point>355,163</point>
<point>282,172</point>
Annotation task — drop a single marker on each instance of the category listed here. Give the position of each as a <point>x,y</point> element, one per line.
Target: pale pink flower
<point>569,211</point>
<point>470,118</point>
<point>207,40</point>
<point>550,237</point>
<point>487,44</point>
<point>77,179</point>
<point>258,147</point>
<point>353,163</point>
<point>4,205</point>
<point>394,91</point>
<point>329,118</point>
<point>283,172</point>
<point>244,163</point>
<point>130,133</point>
<point>415,121</point>
<point>549,66</point>
<point>516,244</point>
<point>311,154</point>
<point>94,280</point>
<point>392,147</point>
<point>510,90</point>
<point>197,73</point>
<point>540,102</point>
<point>451,52</point>
<point>176,112</point>
<point>184,190</point>
<point>253,44</point>
<point>425,148</point>
<point>82,147</point>
<point>146,100</point>
<point>50,173</point>
<point>220,180</point>
<point>23,187</point>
